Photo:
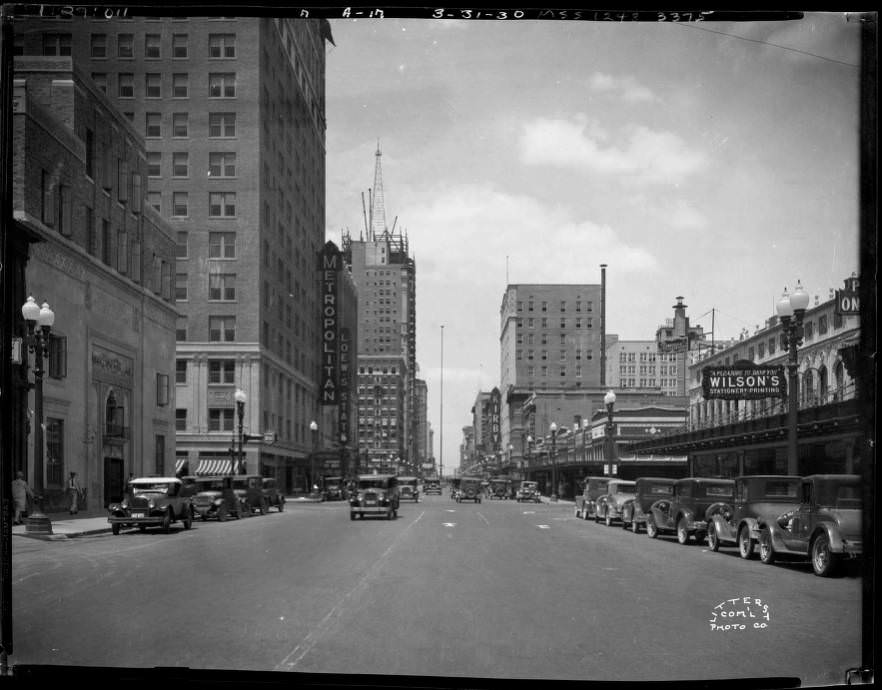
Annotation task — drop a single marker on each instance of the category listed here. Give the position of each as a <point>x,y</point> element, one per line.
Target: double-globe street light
<point>553,430</point>
<point>313,428</point>
<point>39,321</point>
<point>240,398</point>
<point>791,310</point>
<point>609,445</point>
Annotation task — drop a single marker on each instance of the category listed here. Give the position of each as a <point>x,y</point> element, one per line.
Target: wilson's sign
<point>743,383</point>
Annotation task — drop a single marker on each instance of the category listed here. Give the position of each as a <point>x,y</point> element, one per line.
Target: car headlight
<point>124,504</point>
<point>151,504</point>
<point>218,501</point>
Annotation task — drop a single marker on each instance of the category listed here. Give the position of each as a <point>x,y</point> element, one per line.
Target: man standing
<point>21,494</point>
<point>73,492</point>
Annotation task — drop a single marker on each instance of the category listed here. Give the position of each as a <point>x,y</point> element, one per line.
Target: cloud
<point>684,216</point>
<point>642,154</point>
<point>627,87</point>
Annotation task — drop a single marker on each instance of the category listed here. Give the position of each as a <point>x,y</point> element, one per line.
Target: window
<point>563,305</point>
<point>181,330</point>
<point>154,199</point>
<point>822,324</point>
<point>221,371</point>
<point>106,255</point>
<point>180,201</point>
<point>182,248</point>
<point>152,46</point>
<point>153,85</point>
<point>54,452</point>
<point>100,79</point>
<point>181,371</point>
<point>57,361</point>
<point>180,287</point>
<point>220,419</point>
<point>222,125</point>
<point>153,126</point>
<point>90,153</point>
<point>125,46</point>
<point>221,204</point>
<point>221,164</point>
<point>221,329</point>
<point>221,245</point>
<point>563,355</point>
<point>154,163</point>
<point>122,251</point>
<point>56,44</point>
<point>222,45</point>
<point>222,85</point>
<point>180,125</point>
<point>125,87</point>
<point>181,419</point>
<point>809,330</point>
<point>64,201</point>
<point>98,46</point>
<point>222,287</point>
<point>180,85</point>
<point>162,390</point>
<point>159,458</point>
<point>179,46</point>
<point>180,164</point>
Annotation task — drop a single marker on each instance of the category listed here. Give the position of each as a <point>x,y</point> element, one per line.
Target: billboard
<point>743,382</point>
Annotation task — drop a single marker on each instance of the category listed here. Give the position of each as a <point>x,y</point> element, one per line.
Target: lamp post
<point>553,430</point>
<point>313,428</point>
<point>791,309</point>
<point>39,321</point>
<point>609,445</point>
<point>240,398</point>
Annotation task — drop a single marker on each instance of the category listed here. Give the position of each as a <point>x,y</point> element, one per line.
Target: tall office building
<point>233,115</point>
<point>385,274</point>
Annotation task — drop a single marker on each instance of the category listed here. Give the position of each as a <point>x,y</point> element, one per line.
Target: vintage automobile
<point>528,491</point>
<point>215,498</point>
<point>647,491</point>
<point>500,488</point>
<point>334,489</point>
<point>375,494</point>
<point>587,502</point>
<point>685,512</point>
<point>151,502</point>
<point>609,505</point>
<point>469,489</point>
<point>432,486</point>
<point>249,488</point>
<point>271,494</point>
<point>408,489</point>
<point>825,526</point>
<point>755,499</point>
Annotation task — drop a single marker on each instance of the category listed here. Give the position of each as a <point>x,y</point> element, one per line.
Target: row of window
<point>220,125</point>
<point>647,357</point>
<point>651,370</point>
<point>220,46</point>
<point>221,245</point>
<point>563,306</point>
<point>577,322</point>
<point>221,329</point>
<point>220,163</point>
<point>563,354</point>
<point>220,84</point>
<point>531,371</point>
<point>220,204</point>
<point>221,287</point>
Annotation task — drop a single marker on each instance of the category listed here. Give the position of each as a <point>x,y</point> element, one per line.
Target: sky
<point>717,161</point>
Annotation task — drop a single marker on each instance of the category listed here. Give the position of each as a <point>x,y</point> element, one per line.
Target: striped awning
<point>179,464</point>
<point>216,466</point>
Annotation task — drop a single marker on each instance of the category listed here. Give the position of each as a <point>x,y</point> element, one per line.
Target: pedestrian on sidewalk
<point>21,494</point>
<point>74,492</point>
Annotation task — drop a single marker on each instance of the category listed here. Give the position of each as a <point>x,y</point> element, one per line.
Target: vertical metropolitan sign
<point>330,261</point>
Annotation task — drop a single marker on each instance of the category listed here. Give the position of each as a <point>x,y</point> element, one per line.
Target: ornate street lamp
<point>313,427</point>
<point>553,430</point>
<point>791,310</point>
<point>39,321</point>
<point>240,398</point>
<point>609,445</point>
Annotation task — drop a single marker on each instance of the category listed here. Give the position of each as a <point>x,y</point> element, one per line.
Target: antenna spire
<point>378,205</point>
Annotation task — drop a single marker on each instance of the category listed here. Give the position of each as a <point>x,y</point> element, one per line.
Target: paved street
<point>497,589</point>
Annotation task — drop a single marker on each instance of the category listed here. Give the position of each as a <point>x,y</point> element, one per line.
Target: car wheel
<point>222,513</point>
<point>824,561</point>
<point>281,505</point>
<point>713,539</point>
<point>767,551</point>
<point>682,532</point>
<point>635,526</point>
<point>188,520</point>
<point>351,516</point>
<point>204,517</point>
<point>115,528</point>
<point>745,544</point>
<point>263,507</point>
<point>651,528</point>
<point>607,518</point>
<point>166,522</point>
<point>142,528</point>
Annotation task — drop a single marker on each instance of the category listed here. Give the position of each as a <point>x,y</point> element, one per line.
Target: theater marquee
<point>743,383</point>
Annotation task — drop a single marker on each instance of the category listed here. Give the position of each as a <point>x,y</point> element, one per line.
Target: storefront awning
<point>216,466</point>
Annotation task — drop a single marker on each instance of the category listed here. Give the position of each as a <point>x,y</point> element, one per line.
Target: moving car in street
<point>500,487</point>
<point>215,498</point>
<point>609,506</point>
<point>647,491</point>
<point>375,494</point>
<point>334,490</point>
<point>469,489</point>
<point>756,499</point>
<point>249,488</point>
<point>408,489</point>
<point>432,486</point>
<point>151,502</point>
<point>825,526</point>
<point>685,512</point>
<point>587,502</point>
<point>271,494</point>
<point>528,491</point>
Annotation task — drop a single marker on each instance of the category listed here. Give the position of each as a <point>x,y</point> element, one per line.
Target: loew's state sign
<point>743,383</point>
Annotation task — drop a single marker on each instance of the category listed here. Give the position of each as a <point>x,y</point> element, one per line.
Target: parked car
<point>334,490</point>
<point>647,491</point>
<point>215,498</point>
<point>432,486</point>
<point>375,494</point>
<point>469,489</point>
<point>249,488</point>
<point>756,498</point>
<point>609,506</point>
<point>271,494</point>
<point>685,512</point>
<point>528,491</point>
<point>825,526</point>
<point>587,502</point>
<point>500,487</point>
<point>408,489</point>
<point>151,502</point>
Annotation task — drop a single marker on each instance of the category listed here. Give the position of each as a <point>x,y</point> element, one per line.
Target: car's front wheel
<point>713,539</point>
<point>635,526</point>
<point>824,561</point>
<point>767,551</point>
<point>166,522</point>
<point>607,518</point>
<point>115,528</point>
<point>651,528</point>
<point>188,519</point>
<point>745,543</point>
<point>682,531</point>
